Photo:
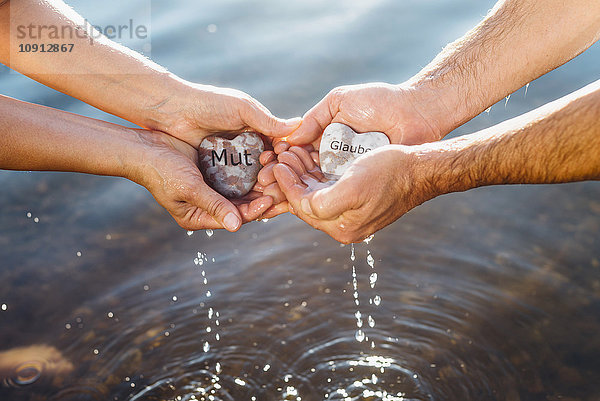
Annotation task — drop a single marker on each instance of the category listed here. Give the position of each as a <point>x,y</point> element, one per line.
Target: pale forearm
<point>516,43</point>
<point>98,71</point>
<point>34,137</point>
<point>559,142</point>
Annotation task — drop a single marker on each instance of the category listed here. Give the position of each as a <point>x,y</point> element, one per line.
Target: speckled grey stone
<point>341,145</point>
<point>229,162</point>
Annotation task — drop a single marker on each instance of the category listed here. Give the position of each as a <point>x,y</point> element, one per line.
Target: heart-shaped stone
<point>229,162</point>
<point>341,145</point>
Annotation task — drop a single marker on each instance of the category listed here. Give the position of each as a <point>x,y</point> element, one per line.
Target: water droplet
<point>108,237</point>
<point>174,298</point>
<point>110,314</point>
<point>210,313</point>
<point>359,335</point>
<point>208,294</point>
<point>4,307</point>
<point>36,220</point>
<point>370,260</point>
<point>189,233</point>
<point>146,287</point>
<point>239,382</point>
<point>526,87</point>
<point>373,279</point>
<point>78,253</point>
<point>352,255</point>
<point>267,367</point>
<point>217,337</point>
<point>371,321</point>
<point>96,352</point>
<point>376,300</point>
<point>206,346</point>
<point>28,215</point>
<point>369,238</point>
<point>211,28</point>
<point>209,233</point>
<point>218,368</point>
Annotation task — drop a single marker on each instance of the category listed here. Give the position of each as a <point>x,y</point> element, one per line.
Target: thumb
<point>331,202</point>
<point>260,119</point>
<point>217,206</point>
<point>315,121</point>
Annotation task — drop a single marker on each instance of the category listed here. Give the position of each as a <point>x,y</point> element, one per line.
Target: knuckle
<point>214,207</point>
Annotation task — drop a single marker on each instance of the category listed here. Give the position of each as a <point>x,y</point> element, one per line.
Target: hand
<point>375,191</point>
<point>267,184</point>
<point>169,171</point>
<point>400,111</point>
<point>201,110</point>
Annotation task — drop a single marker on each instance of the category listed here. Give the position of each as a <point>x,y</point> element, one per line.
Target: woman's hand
<point>169,171</point>
<point>198,111</point>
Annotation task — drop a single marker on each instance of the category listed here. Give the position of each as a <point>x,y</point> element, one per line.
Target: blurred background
<point>491,294</point>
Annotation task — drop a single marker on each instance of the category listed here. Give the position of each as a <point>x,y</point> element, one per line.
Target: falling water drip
<point>209,233</point>
<point>359,335</point>
<point>373,279</point>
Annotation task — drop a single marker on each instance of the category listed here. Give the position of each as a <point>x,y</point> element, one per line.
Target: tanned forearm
<point>517,42</point>
<point>98,71</point>
<point>34,137</point>
<point>559,142</point>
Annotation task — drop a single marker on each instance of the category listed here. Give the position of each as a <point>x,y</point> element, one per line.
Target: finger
<point>258,187</point>
<point>219,208</point>
<point>275,192</point>
<point>267,157</point>
<point>309,163</point>
<point>315,120</point>
<point>260,119</point>
<point>293,161</point>
<point>315,157</point>
<point>249,197</point>
<point>276,210</point>
<point>294,190</point>
<point>253,210</point>
<point>309,148</point>
<point>304,157</point>
<point>329,203</point>
<point>281,147</point>
<point>199,221</point>
<point>265,175</point>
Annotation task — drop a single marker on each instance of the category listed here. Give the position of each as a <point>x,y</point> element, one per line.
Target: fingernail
<point>305,204</point>
<point>293,122</point>
<point>231,222</point>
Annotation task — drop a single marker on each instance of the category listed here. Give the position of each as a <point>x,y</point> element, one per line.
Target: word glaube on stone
<point>341,145</point>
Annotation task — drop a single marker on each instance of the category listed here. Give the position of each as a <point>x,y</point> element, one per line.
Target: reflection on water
<point>489,295</point>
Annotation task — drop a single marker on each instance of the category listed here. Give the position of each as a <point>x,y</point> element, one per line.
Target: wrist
<point>446,167</point>
<point>440,100</point>
<point>166,106</point>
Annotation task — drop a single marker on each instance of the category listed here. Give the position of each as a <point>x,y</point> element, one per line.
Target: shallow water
<point>489,295</point>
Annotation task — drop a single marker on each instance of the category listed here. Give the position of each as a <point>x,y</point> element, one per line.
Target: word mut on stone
<point>341,145</point>
<point>229,162</point>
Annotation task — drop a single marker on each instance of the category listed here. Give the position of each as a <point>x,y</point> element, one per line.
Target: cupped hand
<point>169,171</point>
<point>202,110</point>
<point>376,190</point>
<point>400,111</point>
